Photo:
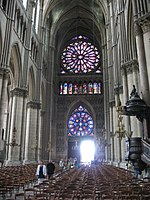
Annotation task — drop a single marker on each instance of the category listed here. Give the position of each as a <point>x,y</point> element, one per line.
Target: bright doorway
<point>87,151</point>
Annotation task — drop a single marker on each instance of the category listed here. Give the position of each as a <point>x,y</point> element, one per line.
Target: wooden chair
<point>10,198</point>
<point>88,196</point>
<point>3,191</point>
<point>20,196</point>
<point>67,196</point>
<point>43,196</point>
<point>133,197</point>
<point>145,197</point>
<point>30,192</point>
<point>108,197</point>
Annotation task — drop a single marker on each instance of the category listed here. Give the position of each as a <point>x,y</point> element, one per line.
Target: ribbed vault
<point>68,18</point>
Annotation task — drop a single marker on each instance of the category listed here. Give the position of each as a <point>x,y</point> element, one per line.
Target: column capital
<point>135,67</point>
<point>137,29</point>
<point>130,66</point>
<point>129,69</point>
<point>43,112</point>
<point>123,71</point>
<point>33,3</point>
<point>34,105</point>
<point>3,71</point>
<point>19,92</point>
<point>108,1</point>
<point>145,25</point>
<point>118,89</point>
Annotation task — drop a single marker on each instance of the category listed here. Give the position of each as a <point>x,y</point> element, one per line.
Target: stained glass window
<point>90,88</point>
<point>61,88</point>
<point>80,56</point>
<point>65,88</point>
<point>85,88</point>
<point>75,91</point>
<point>70,88</point>
<point>80,88</point>
<point>80,123</point>
<point>95,88</point>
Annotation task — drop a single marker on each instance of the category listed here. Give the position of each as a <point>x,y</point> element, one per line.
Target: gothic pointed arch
<point>130,31</point>
<point>80,119</point>
<point>81,91</point>
<point>31,83</point>
<point>75,18</point>
<point>15,64</point>
<point>79,102</point>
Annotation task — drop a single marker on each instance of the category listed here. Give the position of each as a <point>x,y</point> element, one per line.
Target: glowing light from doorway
<point>87,151</point>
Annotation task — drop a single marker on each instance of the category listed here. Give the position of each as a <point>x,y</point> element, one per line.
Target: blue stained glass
<point>70,88</point>
<point>80,88</point>
<point>65,88</point>
<point>80,56</point>
<point>80,123</point>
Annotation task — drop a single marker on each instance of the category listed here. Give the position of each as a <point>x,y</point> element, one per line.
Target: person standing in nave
<point>68,164</point>
<point>50,169</point>
<point>61,164</point>
<point>41,171</point>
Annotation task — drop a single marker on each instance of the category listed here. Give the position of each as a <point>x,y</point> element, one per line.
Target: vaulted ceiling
<point>67,18</point>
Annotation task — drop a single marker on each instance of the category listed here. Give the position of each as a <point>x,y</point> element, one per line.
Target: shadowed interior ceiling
<point>69,18</point>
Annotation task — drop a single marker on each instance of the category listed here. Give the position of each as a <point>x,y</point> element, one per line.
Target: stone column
<point>106,103</point>
<point>41,130</point>
<point>31,137</point>
<point>50,103</point>
<point>14,141</point>
<point>136,80</point>
<point>3,104</point>
<point>116,150</point>
<point>8,34</point>
<point>108,72</point>
<point>142,63</point>
<point>146,36</point>
<point>123,150</point>
<point>112,149</point>
<point>1,81</point>
<point>134,121</point>
<point>112,130</point>
<point>125,96</point>
<point>39,136</point>
<point>117,136</point>
<point>126,119</point>
<point>30,6</point>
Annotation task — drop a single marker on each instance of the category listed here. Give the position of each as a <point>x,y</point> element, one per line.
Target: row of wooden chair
<point>97,182</point>
<point>12,178</point>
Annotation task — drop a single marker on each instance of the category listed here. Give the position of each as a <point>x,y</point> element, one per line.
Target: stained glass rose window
<point>80,123</point>
<point>80,56</point>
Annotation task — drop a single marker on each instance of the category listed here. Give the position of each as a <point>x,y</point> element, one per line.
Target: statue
<point>134,93</point>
